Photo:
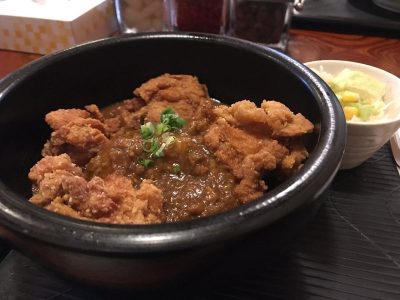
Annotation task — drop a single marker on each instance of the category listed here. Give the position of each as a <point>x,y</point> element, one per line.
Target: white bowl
<point>364,139</point>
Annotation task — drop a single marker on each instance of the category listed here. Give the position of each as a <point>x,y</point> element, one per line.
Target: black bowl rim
<point>22,217</point>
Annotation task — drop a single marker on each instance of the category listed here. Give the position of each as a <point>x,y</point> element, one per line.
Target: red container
<point>197,15</point>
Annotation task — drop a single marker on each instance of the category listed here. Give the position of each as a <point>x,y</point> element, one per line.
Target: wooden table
<point>304,45</point>
<point>380,52</point>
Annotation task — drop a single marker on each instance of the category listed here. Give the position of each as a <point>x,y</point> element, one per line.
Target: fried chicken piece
<point>50,164</point>
<point>242,113</point>
<point>92,201</point>
<point>251,186</point>
<point>142,206</point>
<point>58,124</point>
<point>127,115</point>
<point>252,140</point>
<point>58,118</point>
<point>202,118</point>
<point>283,122</point>
<point>183,93</point>
<point>246,155</point>
<point>112,125</point>
<point>58,176</point>
<point>75,133</point>
<point>81,136</point>
<point>61,188</point>
<point>272,119</point>
<point>98,202</point>
<point>294,160</point>
<point>80,143</point>
<point>95,112</point>
<point>149,193</point>
<point>172,88</point>
<point>58,206</point>
<point>71,188</point>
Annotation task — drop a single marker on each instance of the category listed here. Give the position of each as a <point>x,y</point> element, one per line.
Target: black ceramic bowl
<point>106,71</point>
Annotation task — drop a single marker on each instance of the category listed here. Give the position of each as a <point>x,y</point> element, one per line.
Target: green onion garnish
<point>170,118</point>
<point>147,163</point>
<point>176,168</point>
<point>158,137</point>
<point>147,130</point>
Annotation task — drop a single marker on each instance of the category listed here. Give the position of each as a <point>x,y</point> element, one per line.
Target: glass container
<point>139,15</point>
<point>197,15</point>
<point>263,21</point>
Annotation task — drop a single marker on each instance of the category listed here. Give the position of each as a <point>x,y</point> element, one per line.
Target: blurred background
<point>45,26</point>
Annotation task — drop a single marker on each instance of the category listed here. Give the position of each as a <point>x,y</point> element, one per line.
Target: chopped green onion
<point>146,162</point>
<point>176,168</point>
<point>168,139</point>
<point>158,137</point>
<point>150,145</point>
<point>170,118</point>
<point>162,128</point>
<point>147,130</point>
<point>167,111</point>
<point>159,152</point>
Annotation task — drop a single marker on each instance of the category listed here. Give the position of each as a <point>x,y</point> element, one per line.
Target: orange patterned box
<point>45,26</point>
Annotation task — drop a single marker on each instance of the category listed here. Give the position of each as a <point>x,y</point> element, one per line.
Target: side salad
<point>361,95</point>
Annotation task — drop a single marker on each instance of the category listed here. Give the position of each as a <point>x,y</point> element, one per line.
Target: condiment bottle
<point>139,15</point>
<point>197,15</point>
<point>262,21</point>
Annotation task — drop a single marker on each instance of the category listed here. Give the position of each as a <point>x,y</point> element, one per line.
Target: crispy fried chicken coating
<point>247,155</point>
<point>273,118</point>
<point>75,133</point>
<point>60,187</point>
<point>50,164</point>
<point>246,138</point>
<point>183,93</point>
<point>283,122</point>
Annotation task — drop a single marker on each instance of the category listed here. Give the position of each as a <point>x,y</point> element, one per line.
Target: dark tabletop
<point>357,16</point>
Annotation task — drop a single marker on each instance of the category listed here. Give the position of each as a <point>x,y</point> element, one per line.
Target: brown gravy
<point>202,186</point>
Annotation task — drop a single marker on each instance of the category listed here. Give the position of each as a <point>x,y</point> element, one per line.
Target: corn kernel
<point>350,112</point>
<point>349,97</point>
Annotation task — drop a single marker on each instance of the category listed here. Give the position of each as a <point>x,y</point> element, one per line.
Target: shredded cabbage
<point>362,96</point>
